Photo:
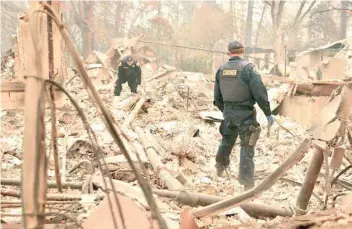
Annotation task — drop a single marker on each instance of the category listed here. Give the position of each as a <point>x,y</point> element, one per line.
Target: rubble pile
<point>194,155</point>
<point>187,146</point>
<point>8,66</point>
<point>184,127</point>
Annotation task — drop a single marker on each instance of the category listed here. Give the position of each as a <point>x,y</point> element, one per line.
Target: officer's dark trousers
<point>230,131</point>
<point>118,87</point>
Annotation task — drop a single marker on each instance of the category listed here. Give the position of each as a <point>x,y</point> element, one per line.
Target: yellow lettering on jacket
<point>229,72</point>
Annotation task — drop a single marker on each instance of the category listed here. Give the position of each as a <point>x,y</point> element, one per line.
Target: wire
<point>64,215</point>
<point>338,175</point>
<point>338,195</point>
<point>97,151</point>
<point>50,97</point>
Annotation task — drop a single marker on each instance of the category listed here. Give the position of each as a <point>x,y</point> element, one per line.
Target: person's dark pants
<point>230,131</point>
<point>118,87</point>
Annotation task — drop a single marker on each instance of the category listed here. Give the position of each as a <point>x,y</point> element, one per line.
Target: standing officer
<point>128,71</point>
<point>237,88</point>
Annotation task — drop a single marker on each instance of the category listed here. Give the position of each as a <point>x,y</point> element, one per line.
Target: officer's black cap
<point>234,45</point>
<point>129,58</point>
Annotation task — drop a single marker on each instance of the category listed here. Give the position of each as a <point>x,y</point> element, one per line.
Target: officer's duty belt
<point>239,107</point>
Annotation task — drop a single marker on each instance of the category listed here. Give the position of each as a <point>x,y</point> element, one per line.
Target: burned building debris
<point>147,159</point>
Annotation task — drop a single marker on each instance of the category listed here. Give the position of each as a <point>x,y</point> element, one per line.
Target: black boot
<point>220,169</point>
<point>248,187</point>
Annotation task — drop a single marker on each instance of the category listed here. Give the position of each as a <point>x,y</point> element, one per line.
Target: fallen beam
<point>164,73</point>
<point>193,199</point>
<point>134,112</point>
<point>183,197</point>
<point>309,180</point>
<point>46,226</point>
<point>58,197</point>
<point>131,101</point>
<point>268,182</point>
<point>18,202</point>
<point>171,182</point>
<point>51,184</point>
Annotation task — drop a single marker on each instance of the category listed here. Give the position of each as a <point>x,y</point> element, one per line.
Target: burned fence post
<point>310,180</point>
<point>34,167</point>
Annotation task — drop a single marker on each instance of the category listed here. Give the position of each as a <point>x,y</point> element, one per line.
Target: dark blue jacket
<point>257,89</point>
<point>132,74</point>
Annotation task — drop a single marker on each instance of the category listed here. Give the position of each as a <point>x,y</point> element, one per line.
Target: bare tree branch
<point>273,18</point>
<point>279,13</point>
<point>78,16</point>
<point>299,13</point>
<point>331,9</point>
<point>305,14</point>
<point>13,7</point>
<point>298,22</point>
<point>135,17</point>
<point>267,2</point>
<point>259,26</point>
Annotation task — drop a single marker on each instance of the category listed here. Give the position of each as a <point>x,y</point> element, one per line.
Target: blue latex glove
<point>270,119</point>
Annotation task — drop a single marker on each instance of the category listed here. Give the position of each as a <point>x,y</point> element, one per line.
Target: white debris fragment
<point>98,126</point>
<point>205,180</point>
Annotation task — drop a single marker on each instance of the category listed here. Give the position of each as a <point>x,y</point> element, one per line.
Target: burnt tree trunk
<point>118,18</point>
<point>86,10</point>
<point>343,20</point>
<point>248,35</point>
<point>259,26</point>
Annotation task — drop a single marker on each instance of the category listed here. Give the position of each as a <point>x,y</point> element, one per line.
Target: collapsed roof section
<point>328,62</point>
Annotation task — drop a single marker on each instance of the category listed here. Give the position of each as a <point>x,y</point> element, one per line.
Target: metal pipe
<point>262,210</point>
<point>171,182</point>
<point>51,184</point>
<point>310,179</point>
<point>193,199</point>
<point>253,209</point>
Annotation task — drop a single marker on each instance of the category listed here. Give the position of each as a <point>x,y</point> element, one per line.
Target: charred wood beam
<point>195,199</point>
<point>51,196</point>
<point>171,182</point>
<point>310,180</point>
<point>51,184</point>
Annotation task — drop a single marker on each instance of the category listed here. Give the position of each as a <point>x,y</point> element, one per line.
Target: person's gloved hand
<point>270,119</point>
